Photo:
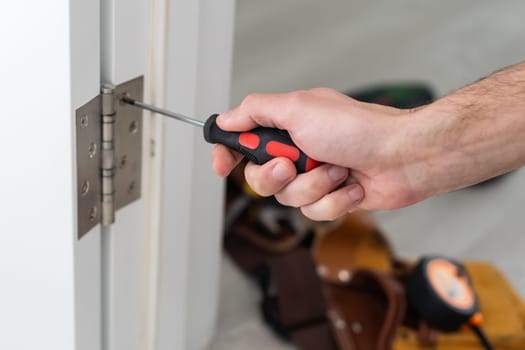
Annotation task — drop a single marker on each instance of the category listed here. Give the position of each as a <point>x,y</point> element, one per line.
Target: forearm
<point>473,134</point>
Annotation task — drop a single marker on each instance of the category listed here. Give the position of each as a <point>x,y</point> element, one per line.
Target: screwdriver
<point>258,145</point>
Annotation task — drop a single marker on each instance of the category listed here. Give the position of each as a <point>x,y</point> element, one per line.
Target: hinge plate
<point>88,164</point>
<point>127,148</point>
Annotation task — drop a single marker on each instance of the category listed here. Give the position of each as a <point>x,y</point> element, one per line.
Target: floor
<point>283,45</point>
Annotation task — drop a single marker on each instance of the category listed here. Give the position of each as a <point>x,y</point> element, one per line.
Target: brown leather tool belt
<point>339,285</point>
<point>309,302</point>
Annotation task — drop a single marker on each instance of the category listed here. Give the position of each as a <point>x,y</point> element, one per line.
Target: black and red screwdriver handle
<point>260,145</point>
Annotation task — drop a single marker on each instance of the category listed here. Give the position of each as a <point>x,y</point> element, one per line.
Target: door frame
<point>150,281</point>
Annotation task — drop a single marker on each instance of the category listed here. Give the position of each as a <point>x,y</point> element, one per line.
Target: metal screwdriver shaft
<point>259,145</point>
<point>164,112</point>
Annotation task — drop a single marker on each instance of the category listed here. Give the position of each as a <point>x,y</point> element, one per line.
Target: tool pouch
<point>339,286</point>
<point>327,305</point>
<point>366,305</point>
<point>365,312</point>
<point>356,245</point>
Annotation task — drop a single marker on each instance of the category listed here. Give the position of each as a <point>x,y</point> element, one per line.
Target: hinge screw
<point>131,187</point>
<point>92,149</point>
<point>92,215</point>
<point>84,121</point>
<point>123,161</point>
<point>85,188</point>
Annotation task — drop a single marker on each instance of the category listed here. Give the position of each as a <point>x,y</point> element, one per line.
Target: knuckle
<point>291,105</point>
<point>315,190</point>
<point>299,97</point>
<point>294,199</point>
<point>248,101</point>
<point>320,184</point>
<point>250,98</point>
<point>301,194</point>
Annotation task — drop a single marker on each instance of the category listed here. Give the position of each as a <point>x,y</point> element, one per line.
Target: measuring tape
<point>441,292</point>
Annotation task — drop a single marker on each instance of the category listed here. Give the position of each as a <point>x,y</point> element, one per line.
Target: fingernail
<point>281,173</point>
<point>356,193</point>
<point>337,173</point>
<point>223,117</point>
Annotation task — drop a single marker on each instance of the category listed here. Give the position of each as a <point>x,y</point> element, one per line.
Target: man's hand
<point>380,157</point>
<point>357,141</point>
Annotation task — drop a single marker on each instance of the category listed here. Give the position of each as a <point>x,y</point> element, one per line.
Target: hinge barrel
<point>107,167</point>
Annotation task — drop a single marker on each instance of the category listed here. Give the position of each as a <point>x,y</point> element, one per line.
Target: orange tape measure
<point>440,290</point>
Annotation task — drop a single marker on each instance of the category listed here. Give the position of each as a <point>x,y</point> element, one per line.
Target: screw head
<point>133,127</point>
<point>92,149</point>
<point>84,121</point>
<point>92,214</point>
<point>84,189</point>
<point>123,161</point>
<point>131,187</point>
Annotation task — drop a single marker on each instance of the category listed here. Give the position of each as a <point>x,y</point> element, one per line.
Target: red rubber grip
<point>260,145</point>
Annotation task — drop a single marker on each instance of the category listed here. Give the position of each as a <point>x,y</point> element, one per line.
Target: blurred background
<point>283,45</point>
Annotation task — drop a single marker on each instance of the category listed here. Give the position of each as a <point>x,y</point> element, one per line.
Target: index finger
<point>269,110</point>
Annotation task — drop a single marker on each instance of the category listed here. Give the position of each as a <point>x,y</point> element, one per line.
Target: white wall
<point>36,188</point>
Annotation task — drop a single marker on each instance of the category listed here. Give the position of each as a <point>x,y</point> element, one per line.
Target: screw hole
<point>131,187</point>
<point>92,149</point>
<point>85,188</point>
<point>133,127</point>
<point>92,215</point>
<point>123,162</point>
<point>84,121</point>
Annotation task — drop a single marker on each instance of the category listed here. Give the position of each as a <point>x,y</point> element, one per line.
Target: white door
<point>148,281</point>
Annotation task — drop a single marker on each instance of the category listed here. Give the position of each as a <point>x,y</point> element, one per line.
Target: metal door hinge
<point>109,154</point>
